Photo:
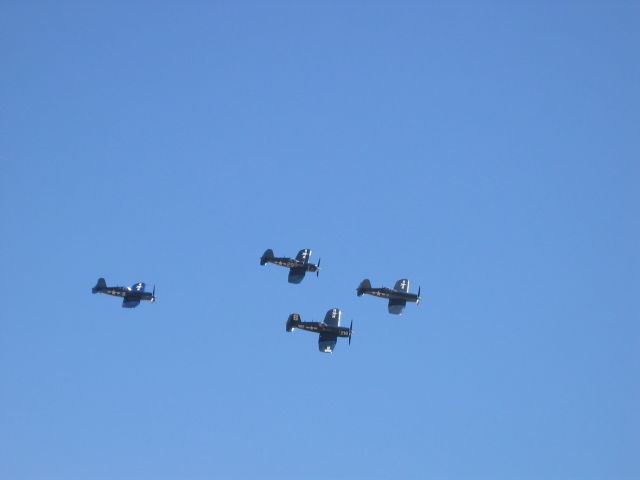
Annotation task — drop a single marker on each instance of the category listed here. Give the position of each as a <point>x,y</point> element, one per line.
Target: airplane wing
<point>296,274</point>
<point>402,285</point>
<point>396,305</point>
<point>327,342</point>
<point>127,303</point>
<point>303,255</point>
<point>332,317</point>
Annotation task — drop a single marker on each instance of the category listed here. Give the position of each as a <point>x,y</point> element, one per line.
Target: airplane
<point>297,267</point>
<point>131,296</point>
<point>398,295</point>
<point>329,329</point>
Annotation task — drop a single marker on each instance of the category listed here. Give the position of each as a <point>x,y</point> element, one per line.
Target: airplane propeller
<point>418,300</point>
<point>350,331</point>
<point>318,269</point>
<point>153,294</point>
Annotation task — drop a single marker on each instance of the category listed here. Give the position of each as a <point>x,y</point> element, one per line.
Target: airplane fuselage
<point>125,292</point>
<point>320,327</point>
<point>292,263</point>
<point>390,293</point>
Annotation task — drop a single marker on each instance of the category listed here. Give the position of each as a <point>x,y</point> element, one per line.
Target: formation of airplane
<point>329,330</point>
<point>131,296</point>
<point>398,295</point>
<point>298,266</point>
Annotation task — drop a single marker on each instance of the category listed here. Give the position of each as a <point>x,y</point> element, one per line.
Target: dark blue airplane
<point>131,296</point>
<point>329,329</point>
<point>398,295</point>
<point>297,266</point>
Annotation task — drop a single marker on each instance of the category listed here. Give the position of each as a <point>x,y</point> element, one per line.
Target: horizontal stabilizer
<point>266,256</point>
<point>364,285</point>
<point>101,284</point>
<point>292,321</point>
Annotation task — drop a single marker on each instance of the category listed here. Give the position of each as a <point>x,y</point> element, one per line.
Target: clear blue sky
<point>485,150</point>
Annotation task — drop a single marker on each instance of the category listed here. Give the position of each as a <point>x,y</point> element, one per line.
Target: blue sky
<point>487,151</point>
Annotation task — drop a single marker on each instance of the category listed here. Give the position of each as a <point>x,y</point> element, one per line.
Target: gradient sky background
<point>485,150</point>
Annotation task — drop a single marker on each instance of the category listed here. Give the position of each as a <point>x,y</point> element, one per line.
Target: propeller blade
<point>418,300</point>
<point>153,294</point>
<point>350,331</point>
<point>318,270</point>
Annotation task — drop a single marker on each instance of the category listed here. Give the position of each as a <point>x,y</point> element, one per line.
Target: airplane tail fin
<point>292,321</point>
<point>364,285</point>
<point>100,285</point>
<point>267,255</point>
